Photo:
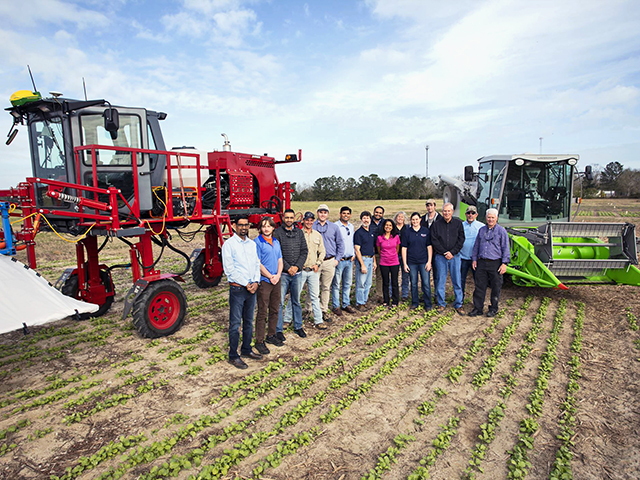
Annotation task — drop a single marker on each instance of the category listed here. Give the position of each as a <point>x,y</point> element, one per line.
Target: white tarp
<point>26,297</point>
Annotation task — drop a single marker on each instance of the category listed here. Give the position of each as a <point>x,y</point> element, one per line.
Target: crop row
<point>519,464</point>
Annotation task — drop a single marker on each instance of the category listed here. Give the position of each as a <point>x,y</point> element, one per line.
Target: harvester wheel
<point>200,272</point>
<point>71,287</point>
<point>160,310</point>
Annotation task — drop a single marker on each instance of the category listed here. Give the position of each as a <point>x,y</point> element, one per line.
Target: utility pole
<point>427,162</point>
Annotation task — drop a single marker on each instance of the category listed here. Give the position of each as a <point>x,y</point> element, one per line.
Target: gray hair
<point>448,204</point>
<point>492,211</point>
<point>395,217</point>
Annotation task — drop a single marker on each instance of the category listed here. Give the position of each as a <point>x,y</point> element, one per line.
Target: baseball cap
<point>322,206</point>
<point>431,201</point>
<point>309,215</point>
<point>472,208</point>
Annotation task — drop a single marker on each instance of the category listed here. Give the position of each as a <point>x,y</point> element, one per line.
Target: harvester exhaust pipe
<point>227,146</point>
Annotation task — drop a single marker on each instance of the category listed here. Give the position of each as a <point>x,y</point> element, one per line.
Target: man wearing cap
<point>294,254</point>
<point>334,250</point>
<point>431,215</point>
<point>447,238</point>
<point>490,257</point>
<point>471,227</point>
<point>364,240</point>
<point>310,275</point>
<point>341,286</point>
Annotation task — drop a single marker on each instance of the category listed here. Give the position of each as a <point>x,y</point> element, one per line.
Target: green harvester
<point>533,195</point>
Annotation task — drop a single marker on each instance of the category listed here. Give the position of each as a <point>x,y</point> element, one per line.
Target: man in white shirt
<point>341,286</point>
<point>242,268</point>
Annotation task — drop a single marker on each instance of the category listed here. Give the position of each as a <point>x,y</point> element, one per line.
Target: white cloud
<point>31,12</point>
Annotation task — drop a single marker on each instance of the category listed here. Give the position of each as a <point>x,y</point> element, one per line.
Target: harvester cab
<point>533,196</point>
<point>104,170</point>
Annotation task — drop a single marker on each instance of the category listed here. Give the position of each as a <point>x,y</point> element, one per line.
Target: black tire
<point>70,289</point>
<point>159,311</point>
<point>200,275</point>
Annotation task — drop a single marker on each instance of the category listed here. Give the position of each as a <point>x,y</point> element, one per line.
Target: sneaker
<point>238,363</point>
<point>300,332</point>
<point>440,308</point>
<point>337,312</point>
<point>474,313</point>
<point>274,340</point>
<point>262,349</point>
<point>460,311</point>
<point>491,313</point>
<point>349,309</point>
<point>320,326</point>
<point>281,336</point>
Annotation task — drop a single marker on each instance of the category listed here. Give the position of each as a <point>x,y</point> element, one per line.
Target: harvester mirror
<point>111,122</point>
<point>468,173</point>
<point>588,173</point>
<point>12,134</point>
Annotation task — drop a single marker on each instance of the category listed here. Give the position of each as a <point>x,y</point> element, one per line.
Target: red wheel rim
<point>164,310</point>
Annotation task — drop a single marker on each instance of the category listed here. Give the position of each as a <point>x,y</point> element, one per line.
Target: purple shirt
<point>492,244</point>
<point>332,239</point>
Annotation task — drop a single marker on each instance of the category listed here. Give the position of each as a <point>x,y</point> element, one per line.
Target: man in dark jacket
<point>447,239</point>
<point>294,254</point>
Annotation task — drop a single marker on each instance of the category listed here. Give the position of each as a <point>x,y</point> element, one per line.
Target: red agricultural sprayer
<point>104,171</point>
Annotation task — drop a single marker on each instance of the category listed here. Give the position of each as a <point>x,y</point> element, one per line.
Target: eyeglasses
<point>347,229</point>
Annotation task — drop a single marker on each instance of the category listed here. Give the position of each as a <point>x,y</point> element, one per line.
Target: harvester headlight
<point>519,162</point>
<point>572,161</point>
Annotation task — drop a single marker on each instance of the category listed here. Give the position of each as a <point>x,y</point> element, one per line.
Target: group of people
<point>325,257</point>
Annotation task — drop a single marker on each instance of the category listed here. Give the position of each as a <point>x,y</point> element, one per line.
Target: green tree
<point>610,174</point>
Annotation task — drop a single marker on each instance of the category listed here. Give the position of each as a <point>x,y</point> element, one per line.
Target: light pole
<point>427,162</point>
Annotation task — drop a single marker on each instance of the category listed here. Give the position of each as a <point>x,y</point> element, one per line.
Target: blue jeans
<point>465,266</point>
<point>342,283</point>
<point>453,268</point>
<point>241,306</point>
<point>363,280</point>
<point>414,270</point>
<point>312,280</point>
<point>295,284</point>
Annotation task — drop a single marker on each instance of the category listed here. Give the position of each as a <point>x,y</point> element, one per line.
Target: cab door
<point>115,167</point>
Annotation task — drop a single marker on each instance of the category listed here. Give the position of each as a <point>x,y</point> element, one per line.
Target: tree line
<point>613,179</point>
<point>370,187</point>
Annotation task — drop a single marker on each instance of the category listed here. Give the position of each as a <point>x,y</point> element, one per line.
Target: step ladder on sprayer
<point>28,298</point>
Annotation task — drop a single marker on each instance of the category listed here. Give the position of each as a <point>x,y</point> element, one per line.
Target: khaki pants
<point>327,271</point>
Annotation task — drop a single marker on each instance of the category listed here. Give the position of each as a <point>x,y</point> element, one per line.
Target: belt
<point>490,259</point>
<point>367,256</point>
<point>234,284</point>
<point>329,257</point>
<point>346,259</point>
<point>308,269</point>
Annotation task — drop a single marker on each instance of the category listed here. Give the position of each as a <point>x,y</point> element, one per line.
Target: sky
<point>361,87</point>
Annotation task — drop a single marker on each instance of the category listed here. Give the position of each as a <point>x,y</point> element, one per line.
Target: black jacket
<point>447,237</point>
<point>293,245</point>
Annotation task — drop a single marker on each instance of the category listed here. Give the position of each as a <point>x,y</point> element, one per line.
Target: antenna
<point>32,80</point>
<point>84,86</point>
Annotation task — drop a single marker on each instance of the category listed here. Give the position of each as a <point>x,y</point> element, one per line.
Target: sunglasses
<point>471,213</point>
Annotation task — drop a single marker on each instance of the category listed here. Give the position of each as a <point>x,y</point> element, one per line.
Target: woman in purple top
<point>388,243</point>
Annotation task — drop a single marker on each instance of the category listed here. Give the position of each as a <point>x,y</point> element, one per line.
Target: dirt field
<point>550,385</point>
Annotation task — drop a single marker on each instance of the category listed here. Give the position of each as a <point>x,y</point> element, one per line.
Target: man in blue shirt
<point>271,266</point>
<point>334,247</point>
<point>471,227</point>
<point>341,286</point>
<point>490,258</point>
<point>242,268</point>
<point>364,247</point>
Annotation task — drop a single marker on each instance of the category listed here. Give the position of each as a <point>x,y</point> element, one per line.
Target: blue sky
<point>360,86</point>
